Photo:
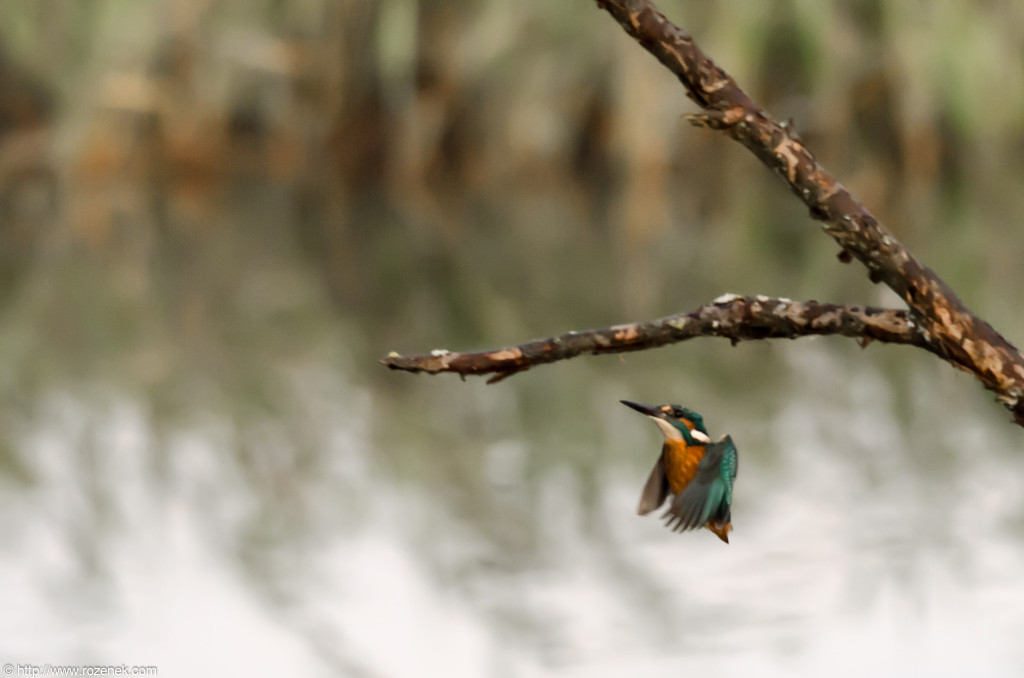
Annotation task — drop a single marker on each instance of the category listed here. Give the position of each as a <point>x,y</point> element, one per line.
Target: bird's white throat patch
<point>672,433</point>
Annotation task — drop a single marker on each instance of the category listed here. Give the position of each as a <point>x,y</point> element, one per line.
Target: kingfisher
<point>698,472</point>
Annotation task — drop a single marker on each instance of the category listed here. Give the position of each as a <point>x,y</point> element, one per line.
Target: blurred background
<point>216,216</point>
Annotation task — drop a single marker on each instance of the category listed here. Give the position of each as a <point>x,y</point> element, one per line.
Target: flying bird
<point>697,472</point>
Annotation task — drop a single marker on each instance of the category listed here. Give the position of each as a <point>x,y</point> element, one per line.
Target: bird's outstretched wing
<point>709,495</point>
<point>656,490</point>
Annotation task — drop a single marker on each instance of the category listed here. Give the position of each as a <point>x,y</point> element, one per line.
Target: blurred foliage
<point>201,198</point>
<point>402,134</point>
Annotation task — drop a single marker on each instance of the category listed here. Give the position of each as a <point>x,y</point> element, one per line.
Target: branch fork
<point>937,320</point>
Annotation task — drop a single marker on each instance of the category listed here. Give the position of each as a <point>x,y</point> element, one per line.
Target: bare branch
<point>731,317</point>
<point>937,320</point>
<point>950,329</point>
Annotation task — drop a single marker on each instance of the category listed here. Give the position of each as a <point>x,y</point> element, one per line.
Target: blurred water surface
<point>217,217</point>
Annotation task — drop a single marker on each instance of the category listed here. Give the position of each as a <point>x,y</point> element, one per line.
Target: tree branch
<point>951,330</point>
<point>937,321</point>
<point>731,317</point>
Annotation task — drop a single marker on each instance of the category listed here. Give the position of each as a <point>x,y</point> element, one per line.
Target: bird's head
<point>678,424</point>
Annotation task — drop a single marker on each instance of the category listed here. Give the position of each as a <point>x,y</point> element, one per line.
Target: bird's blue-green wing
<point>709,494</point>
<point>730,465</point>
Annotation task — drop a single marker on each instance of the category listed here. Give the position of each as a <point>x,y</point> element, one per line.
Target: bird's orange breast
<point>681,461</point>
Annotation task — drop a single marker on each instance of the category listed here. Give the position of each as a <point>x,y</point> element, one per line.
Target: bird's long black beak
<point>643,409</point>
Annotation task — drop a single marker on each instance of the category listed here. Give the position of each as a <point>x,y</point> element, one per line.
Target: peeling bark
<point>937,320</point>
<point>734,318</point>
